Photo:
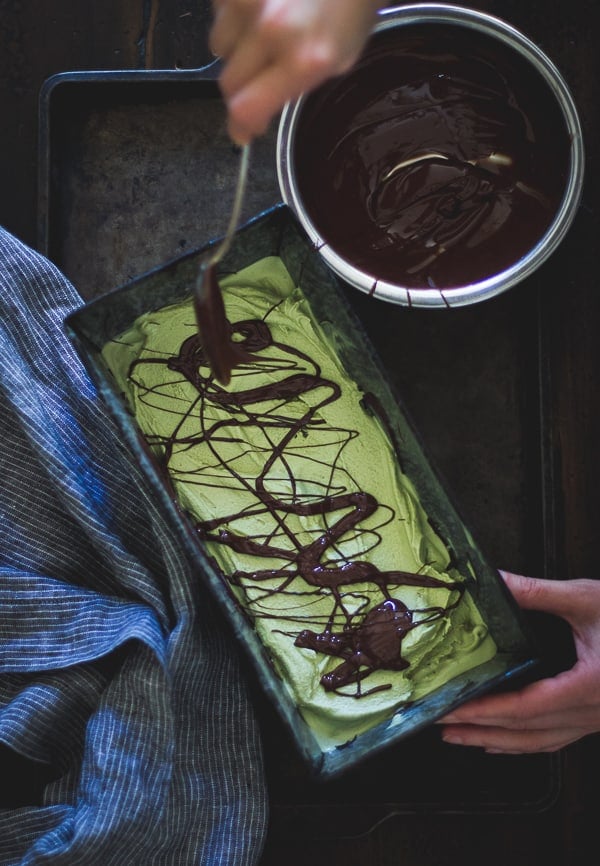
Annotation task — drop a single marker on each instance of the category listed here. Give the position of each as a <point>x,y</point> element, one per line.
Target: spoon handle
<point>236,207</point>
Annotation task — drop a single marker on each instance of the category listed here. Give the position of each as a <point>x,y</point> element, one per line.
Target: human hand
<point>553,712</point>
<point>274,50</point>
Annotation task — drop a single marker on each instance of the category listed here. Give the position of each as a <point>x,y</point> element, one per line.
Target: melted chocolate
<point>222,353</point>
<point>440,160</point>
<point>370,639</point>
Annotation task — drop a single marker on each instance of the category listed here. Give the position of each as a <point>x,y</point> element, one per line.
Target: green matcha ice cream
<point>296,491</point>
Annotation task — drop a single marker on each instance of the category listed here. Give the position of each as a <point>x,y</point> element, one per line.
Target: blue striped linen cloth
<point>114,668</point>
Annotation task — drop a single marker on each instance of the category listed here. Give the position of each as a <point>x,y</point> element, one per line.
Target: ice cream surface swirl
<point>295,489</point>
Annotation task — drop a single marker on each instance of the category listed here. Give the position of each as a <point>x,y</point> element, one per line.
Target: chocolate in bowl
<point>444,167</point>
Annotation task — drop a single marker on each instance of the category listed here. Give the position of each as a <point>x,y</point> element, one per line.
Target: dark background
<point>38,39</point>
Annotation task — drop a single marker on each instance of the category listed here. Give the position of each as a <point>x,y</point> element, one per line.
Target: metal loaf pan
<point>276,232</point>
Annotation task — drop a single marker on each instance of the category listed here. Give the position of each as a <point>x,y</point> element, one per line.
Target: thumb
<point>562,598</point>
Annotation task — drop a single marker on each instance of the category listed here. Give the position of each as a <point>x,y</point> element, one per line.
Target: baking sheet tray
<point>135,169</point>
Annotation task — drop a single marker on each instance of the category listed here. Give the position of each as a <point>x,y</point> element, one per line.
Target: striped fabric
<point>114,669</point>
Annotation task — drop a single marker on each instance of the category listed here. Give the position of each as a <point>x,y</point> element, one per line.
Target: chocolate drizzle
<point>278,412</point>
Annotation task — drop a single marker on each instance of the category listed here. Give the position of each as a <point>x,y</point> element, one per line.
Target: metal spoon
<point>221,352</point>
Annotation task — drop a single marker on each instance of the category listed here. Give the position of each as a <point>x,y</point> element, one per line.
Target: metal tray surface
<point>150,149</point>
<point>478,394</point>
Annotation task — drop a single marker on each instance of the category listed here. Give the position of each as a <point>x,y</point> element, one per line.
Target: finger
<point>228,29</point>
<point>586,719</point>
<point>560,693</point>
<point>501,740</point>
<point>568,599</point>
<point>251,108</point>
<point>243,66</point>
<point>290,68</point>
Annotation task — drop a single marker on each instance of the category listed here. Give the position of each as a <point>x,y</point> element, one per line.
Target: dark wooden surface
<point>40,39</point>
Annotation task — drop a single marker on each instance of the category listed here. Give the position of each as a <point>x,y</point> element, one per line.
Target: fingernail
<point>453,739</point>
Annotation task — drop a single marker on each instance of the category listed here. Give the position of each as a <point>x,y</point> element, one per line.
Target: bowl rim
<point>419,13</point>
